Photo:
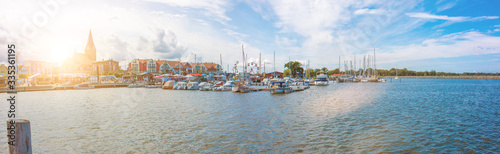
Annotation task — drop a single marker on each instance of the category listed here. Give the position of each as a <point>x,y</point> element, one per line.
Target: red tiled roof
<point>159,62</point>
<point>210,65</point>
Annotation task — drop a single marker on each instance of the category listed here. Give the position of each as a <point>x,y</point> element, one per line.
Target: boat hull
<point>321,83</point>
<point>168,87</point>
<point>281,90</point>
<point>241,89</point>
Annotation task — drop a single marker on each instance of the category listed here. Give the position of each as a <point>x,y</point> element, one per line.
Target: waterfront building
<point>3,70</point>
<point>106,66</point>
<point>137,66</point>
<point>169,66</point>
<point>23,69</point>
<point>151,66</point>
<point>199,68</point>
<point>212,68</point>
<point>39,67</point>
<point>174,66</point>
<point>164,67</point>
<point>276,74</point>
<point>81,63</point>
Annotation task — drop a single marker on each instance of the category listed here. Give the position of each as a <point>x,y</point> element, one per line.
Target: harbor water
<point>411,116</point>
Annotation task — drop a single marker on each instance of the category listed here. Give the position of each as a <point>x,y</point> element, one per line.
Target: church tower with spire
<point>90,50</point>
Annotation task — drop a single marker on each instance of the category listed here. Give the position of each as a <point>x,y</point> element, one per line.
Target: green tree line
<point>294,69</point>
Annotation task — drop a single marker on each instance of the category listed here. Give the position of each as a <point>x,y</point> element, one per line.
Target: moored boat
<point>299,86</point>
<point>321,79</point>
<point>280,87</point>
<point>169,84</point>
<point>84,86</point>
<point>152,86</point>
<point>135,85</point>
<point>192,86</point>
<point>180,86</point>
<point>240,87</point>
<point>205,86</point>
<point>226,87</point>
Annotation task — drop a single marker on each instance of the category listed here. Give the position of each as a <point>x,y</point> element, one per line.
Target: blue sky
<point>444,35</point>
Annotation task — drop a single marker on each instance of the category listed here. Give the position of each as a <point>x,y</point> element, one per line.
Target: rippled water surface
<point>415,115</point>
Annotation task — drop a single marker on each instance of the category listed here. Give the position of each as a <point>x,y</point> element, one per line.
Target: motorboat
<point>240,87</point>
<point>180,86</point>
<point>169,84</point>
<point>280,87</point>
<point>217,85</point>
<point>321,80</point>
<point>192,86</point>
<point>226,87</point>
<point>381,80</point>
<point>84,86</point>
<point>205,86</point>
<point>135,86</point>
<point>299,86</point>
<point>152,86</point>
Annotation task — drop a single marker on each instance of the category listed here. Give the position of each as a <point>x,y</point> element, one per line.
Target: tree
<point>311,73</point>
<point>295,68</point>
<point>287,72</point>
<point>330,72</point>
<point>324,69</point>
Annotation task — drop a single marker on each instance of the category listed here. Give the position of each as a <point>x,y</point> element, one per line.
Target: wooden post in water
<point>19,136</point>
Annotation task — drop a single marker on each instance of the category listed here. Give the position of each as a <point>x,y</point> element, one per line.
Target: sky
<point>443,35</point>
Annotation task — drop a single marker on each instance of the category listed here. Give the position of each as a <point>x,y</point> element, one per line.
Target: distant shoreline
<point>445,77</point>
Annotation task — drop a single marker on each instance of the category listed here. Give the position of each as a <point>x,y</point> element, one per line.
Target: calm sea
<point>411,116</point>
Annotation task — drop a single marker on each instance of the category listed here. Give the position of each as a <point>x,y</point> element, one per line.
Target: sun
<point>60,53</point>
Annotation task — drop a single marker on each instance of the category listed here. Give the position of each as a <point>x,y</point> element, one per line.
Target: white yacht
<point>205,86</point>
<point>321,79</point>
<point>192,86</point>
<point>280,87</point>
<point>180,86</point>
<point>226,87</point>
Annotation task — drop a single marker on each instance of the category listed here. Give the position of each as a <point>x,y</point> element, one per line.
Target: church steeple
<point>90,50</point>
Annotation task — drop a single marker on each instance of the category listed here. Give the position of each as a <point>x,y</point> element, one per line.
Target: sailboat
<point>396,74</point>
<point>242,86</point>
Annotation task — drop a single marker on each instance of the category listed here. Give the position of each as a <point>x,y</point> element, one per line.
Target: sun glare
<point>60,53</point>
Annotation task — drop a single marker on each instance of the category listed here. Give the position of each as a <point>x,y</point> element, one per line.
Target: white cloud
<point>452,45</point>
<point>445,5</point>
<point>444,17</point>
<point>449,20</point>
<point>432,16</point>
<point>285,41</point>
<point>497,30</point>
<point>369,11</point>
<point>213,8</point>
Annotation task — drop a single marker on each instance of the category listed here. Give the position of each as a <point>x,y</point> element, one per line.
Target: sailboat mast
<point>339,64</point>
<point>374,62</point>
<point>220,63</point>
<point>246,65</point>
<point>194,65</point>
<point>260,61</point>
<point>243,55</point>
